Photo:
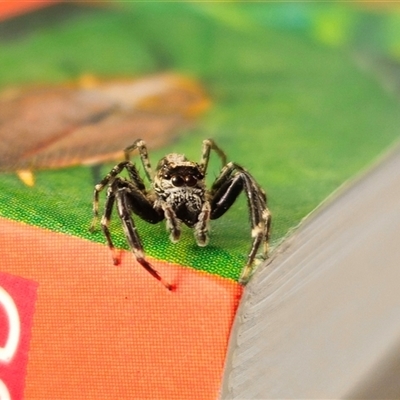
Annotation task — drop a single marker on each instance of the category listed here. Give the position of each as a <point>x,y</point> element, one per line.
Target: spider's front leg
<point>129,196</point>
<point>105,222</point>
<point>209,145</point>
<point>129,199</point>
<point>110,177</point>
<point>140,144</point>
<point>232,181</point>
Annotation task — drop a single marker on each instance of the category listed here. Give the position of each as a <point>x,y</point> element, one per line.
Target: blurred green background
<point>304,95</point>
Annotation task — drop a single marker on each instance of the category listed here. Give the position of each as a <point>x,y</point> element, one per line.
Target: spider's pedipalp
<point>173,224</point>
<point>202,227</point>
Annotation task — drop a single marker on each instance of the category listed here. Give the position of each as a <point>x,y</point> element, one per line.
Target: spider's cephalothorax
<point>179,195</point>
<point>179,184</point>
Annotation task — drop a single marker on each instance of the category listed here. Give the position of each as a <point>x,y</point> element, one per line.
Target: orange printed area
<point>12,8</point>
<point>104,331</point>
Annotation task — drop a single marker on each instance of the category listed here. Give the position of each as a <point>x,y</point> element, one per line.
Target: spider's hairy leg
<point>123,201</point>
<point>95,208</point>
<point>260,220</point>
<point>116,170</point>
<point>248,268</point>
<point>202,226</point>
<point>208,145</point>
<point>105,222</point>
<point>267,218</point>
<point>144,156</point>
<point>232,181</point>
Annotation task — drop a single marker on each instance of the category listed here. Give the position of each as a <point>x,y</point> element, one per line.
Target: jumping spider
<point>178,194</point>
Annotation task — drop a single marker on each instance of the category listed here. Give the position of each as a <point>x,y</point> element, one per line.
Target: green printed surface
<point>298,114</point>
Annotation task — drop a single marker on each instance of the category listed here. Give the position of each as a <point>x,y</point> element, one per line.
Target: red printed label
<point>17,304</point>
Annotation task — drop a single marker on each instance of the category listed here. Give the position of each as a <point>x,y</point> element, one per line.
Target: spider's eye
<point>167,176</point>
<point>177,180</point>
<point>190,180</point>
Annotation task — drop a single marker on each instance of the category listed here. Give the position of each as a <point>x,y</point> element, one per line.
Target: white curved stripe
<point>4,393</point>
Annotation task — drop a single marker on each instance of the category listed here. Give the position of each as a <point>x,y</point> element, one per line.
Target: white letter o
<point>7,352</point>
